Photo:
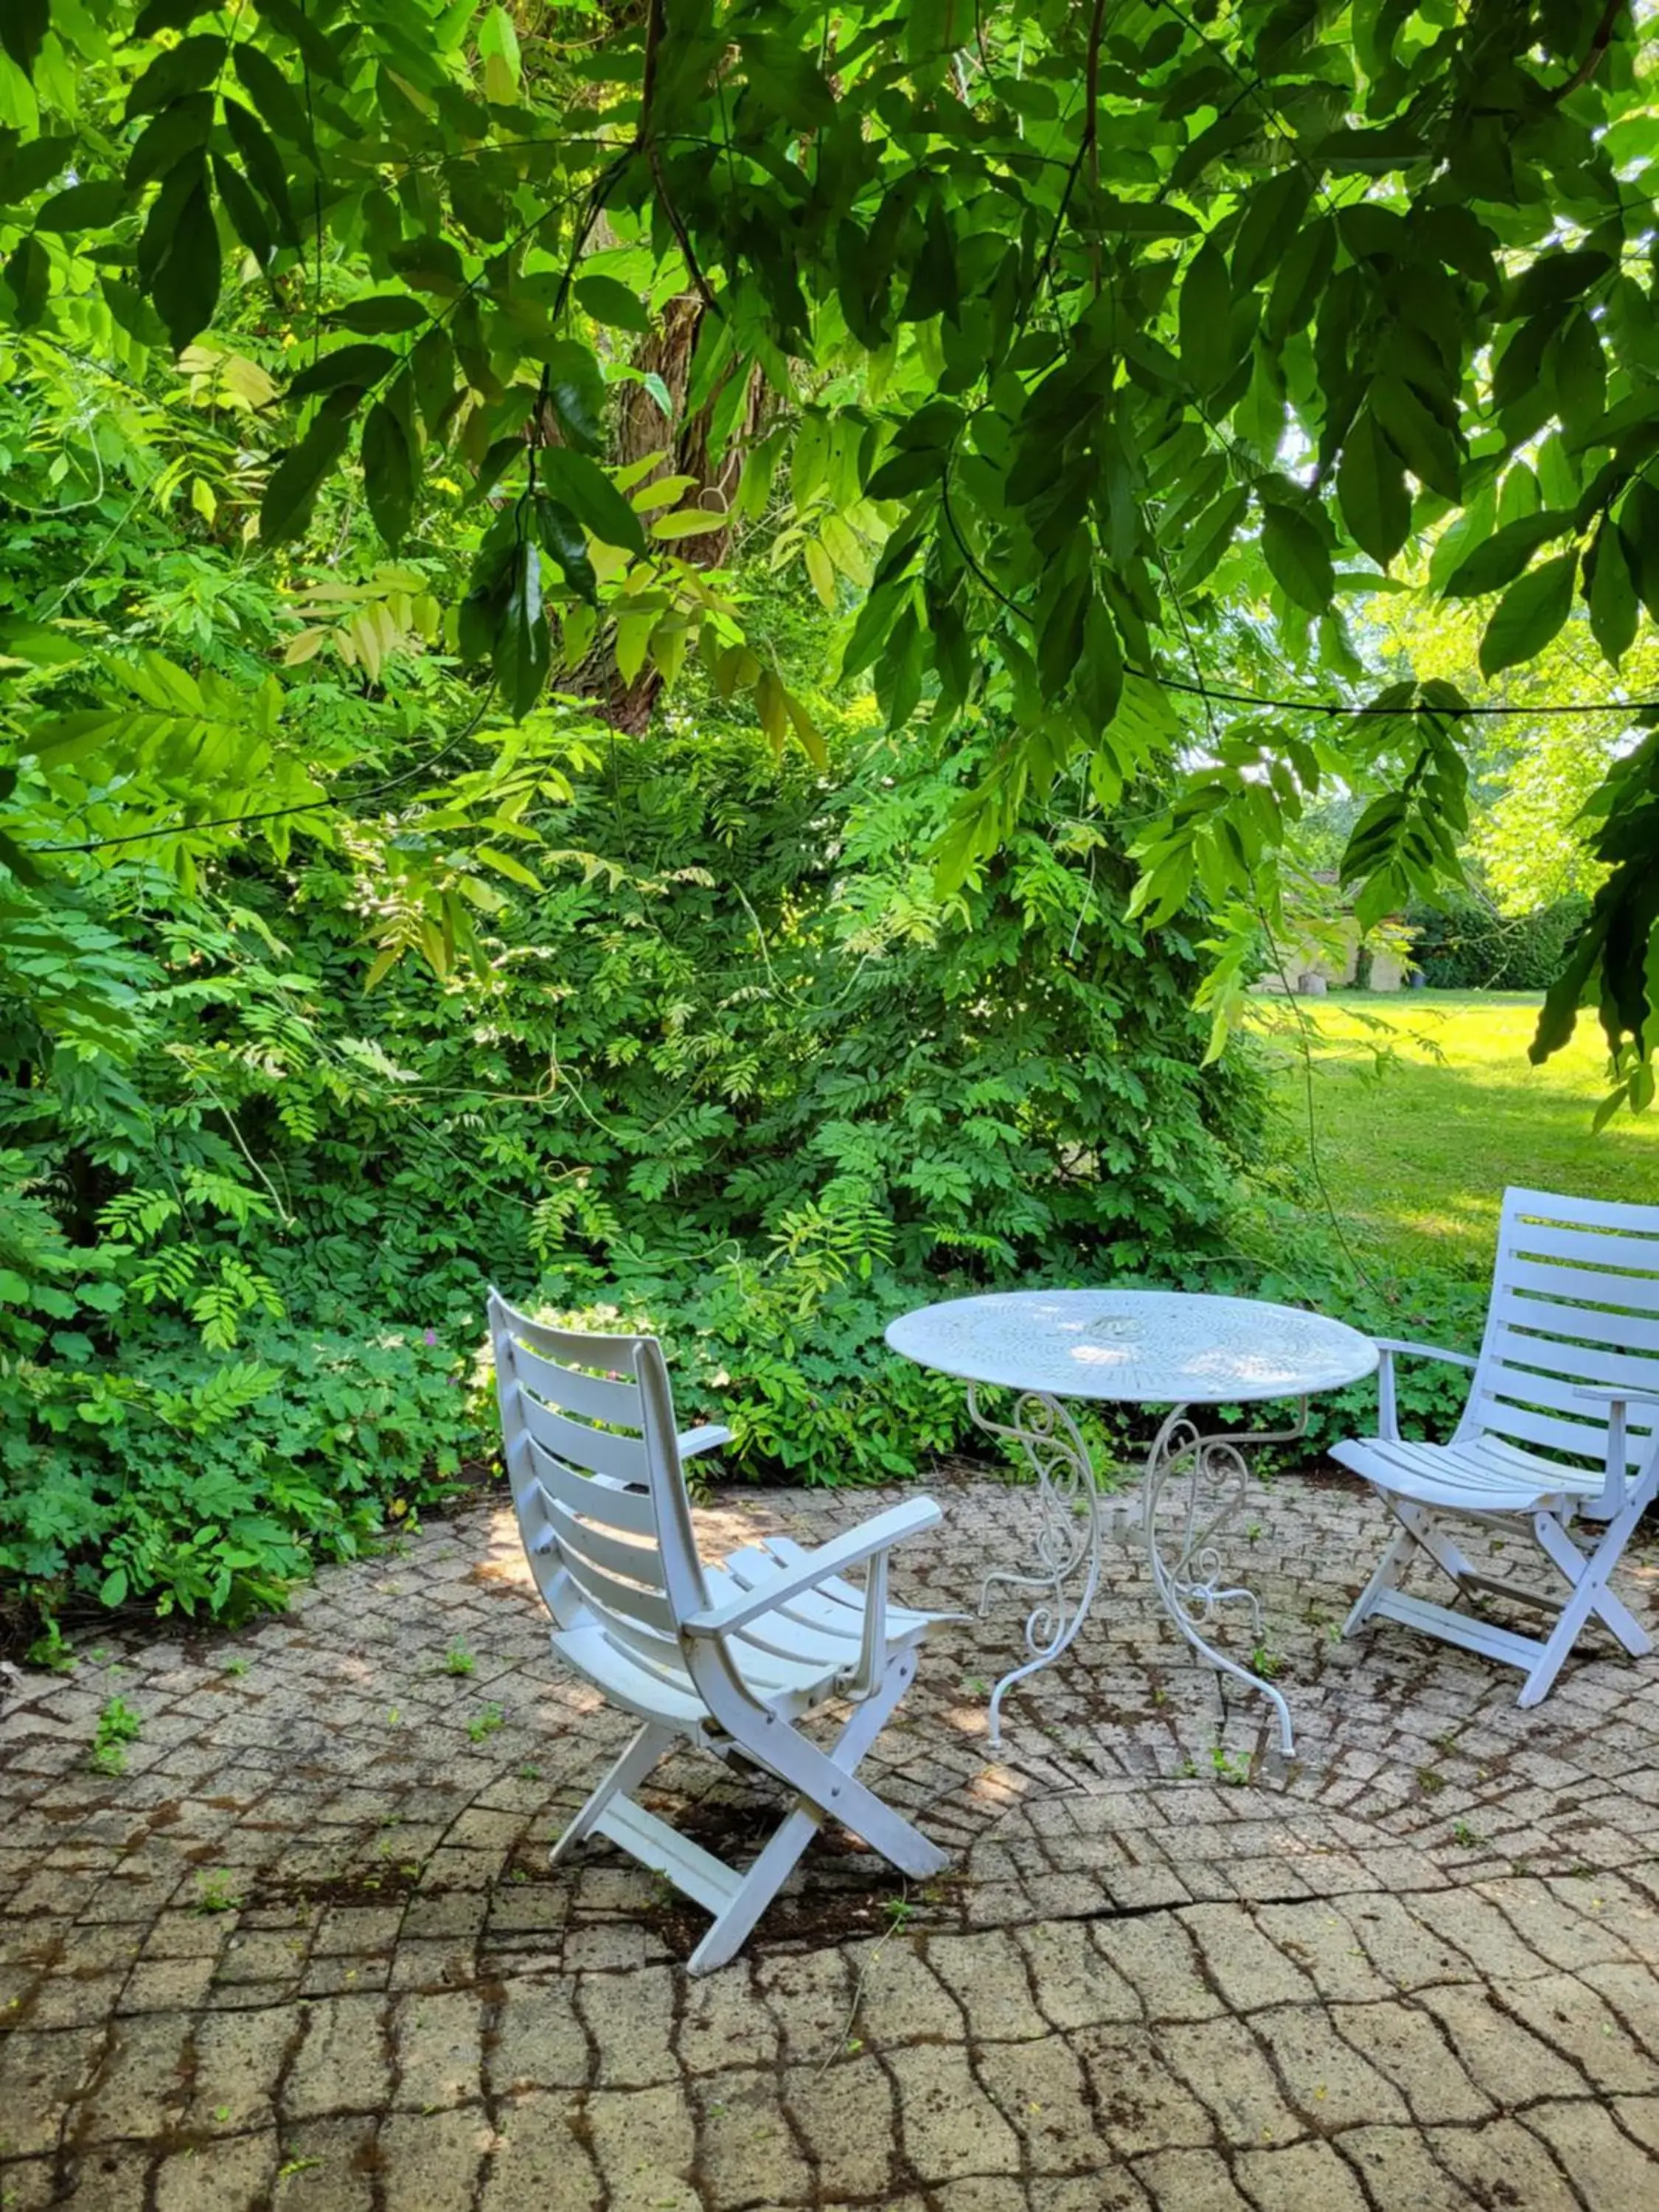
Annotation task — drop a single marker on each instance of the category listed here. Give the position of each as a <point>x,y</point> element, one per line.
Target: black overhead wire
<point>335,803</point>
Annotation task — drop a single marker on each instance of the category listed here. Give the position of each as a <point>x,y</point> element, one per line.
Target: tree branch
<point>1601,40</point>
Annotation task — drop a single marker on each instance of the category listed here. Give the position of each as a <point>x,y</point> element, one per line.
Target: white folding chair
<point>730,1657</point>
<point>1560,1423</point>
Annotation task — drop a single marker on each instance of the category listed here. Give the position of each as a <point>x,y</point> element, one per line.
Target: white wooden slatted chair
<point>730,1657</point>
<point>1560,1423</point>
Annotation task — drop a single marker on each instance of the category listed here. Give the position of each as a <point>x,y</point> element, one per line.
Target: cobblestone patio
<point>306,1951</point>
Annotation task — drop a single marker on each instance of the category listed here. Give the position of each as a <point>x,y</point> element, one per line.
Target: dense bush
<point>731,1071</point>
<point>1467,945</point>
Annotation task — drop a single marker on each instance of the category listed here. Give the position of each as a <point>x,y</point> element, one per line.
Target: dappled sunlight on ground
<point>308,1952</point>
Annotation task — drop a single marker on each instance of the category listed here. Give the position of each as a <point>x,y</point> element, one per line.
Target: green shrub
<point>1467,945</point>
<point>185,1481</point>
<point>733,1071</point>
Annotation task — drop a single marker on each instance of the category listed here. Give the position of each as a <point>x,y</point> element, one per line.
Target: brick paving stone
<point>1073,1984</point>
<point>235,2173</point>
<point>438,2038</point>
<point>1396,2167</point>
<point>984,2193</point>
<point>902,2000</point>
<point>39,2076</point>
<point>1632,1994</point>
<point>237,2063</point>
<point>1044,2095</point>
<point>846,2116</point>
<point>1323,1944</point>
<point>1501,2054</point>
<point>1242,1962</point>
<point>948,2126</point>
<point>29,2184</point>
<point>1223,2066</point>
<point>630,2020</point>
<point>343,2065</point>
<point>141,2081</point>
<point>1569,2014</point>
<point>723,2023</point>
<point>1408,2047</point>
<point>430,2161</point>
<point>1109,2189</point>
<point>1142,2106</point>
<point>1305,2176</point>
<point>1326,2078</point>
<point>645,2146</point>
<point>1607,2167</point>
<point>1472,1924</point>
<point>328,2166</point>
<point>540,2158</point>
<point>115,2180</point>
<point>1501,2163</point>
<point>540,2042</point>
<point>1159,1961</point>
<point>746,2150</point>
<point>1137,1991</point>
<point>1406,1952</point>
<point>1194,2180</point>
<point>987,1976</point>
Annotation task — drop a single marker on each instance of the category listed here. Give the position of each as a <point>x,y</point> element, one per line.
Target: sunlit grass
<point>1425,1106</point>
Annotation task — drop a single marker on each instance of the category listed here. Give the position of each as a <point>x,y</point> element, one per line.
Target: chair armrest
<point>1616,1393</point>
<point>840,1553</point>
<point>705,1437</point>
<point>1618,1399</point>
<point>1390,1347</point>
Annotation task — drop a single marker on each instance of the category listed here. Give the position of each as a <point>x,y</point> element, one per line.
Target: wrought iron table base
<point>1070,1526</point>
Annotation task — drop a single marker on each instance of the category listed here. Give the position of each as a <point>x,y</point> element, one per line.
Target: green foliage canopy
<point>1113,307</point>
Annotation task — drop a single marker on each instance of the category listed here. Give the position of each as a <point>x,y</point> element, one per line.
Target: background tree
<point>1104,305</point>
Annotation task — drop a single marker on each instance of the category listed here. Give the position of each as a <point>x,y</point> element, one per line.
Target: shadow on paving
<point>308,1951</point>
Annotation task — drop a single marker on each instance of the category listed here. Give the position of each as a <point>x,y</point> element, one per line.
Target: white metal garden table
<point>1139,1348</point>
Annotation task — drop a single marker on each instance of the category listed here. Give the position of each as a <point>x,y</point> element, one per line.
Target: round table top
<point>1151,1347</point>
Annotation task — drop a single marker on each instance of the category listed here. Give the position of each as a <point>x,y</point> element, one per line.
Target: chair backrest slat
<point>1575,1300</point>
<point>592,1495</point>
<point>609,1594</point>
<point>574,1532</point>
<point>595,1397</point>
<point>1584,1443</point>
<point>601,1451</point>
<point>581,1491</point>
<point>1548,1387</point>
<point>1609,1347</point>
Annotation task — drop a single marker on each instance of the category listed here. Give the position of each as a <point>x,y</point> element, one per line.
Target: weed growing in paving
<point>484,1724</point>
<point>457,1660</point>
<point>214,1892</point>
<point>118,1726</point>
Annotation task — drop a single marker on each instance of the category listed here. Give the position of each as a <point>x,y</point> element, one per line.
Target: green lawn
<point>1416,1148</point>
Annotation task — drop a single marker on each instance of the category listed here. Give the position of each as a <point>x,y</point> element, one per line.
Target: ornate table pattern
<point>1143,1347</point>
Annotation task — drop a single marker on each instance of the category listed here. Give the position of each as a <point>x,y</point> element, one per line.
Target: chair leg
<point>1417,1533</point>
<point>1389,1569</point>
<point>826,1779</point>
<point>1588,1573</point>
<point>901,1843</point>
<point>643,1751</point>
<point>1575,1564</point>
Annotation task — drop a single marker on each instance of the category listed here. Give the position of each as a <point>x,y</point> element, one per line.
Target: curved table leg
<point>1187,1576</point>
<point>1067,1539</point>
